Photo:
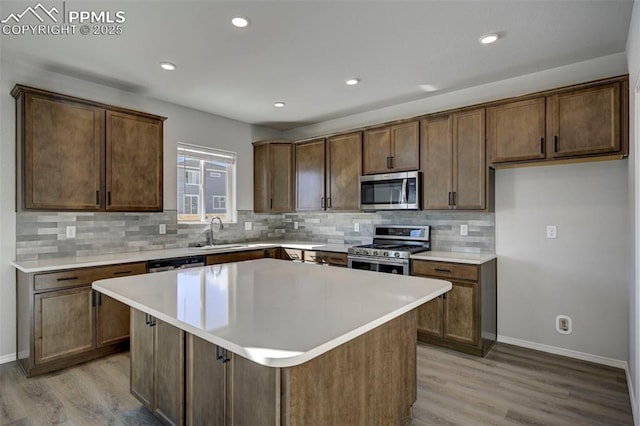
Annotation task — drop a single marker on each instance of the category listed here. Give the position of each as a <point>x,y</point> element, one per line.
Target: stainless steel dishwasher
<point>162,265</point>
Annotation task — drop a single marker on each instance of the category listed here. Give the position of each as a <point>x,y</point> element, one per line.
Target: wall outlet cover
<point>248,226</point>
<point>71,231</point>
<point>162,228</point>
<point>295,225</point>
<point>356,227</point>
<point>464,230</point>
<point>564,324</point>
<point>552,231</point>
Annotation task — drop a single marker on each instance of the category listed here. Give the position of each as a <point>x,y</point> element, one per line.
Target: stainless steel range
<point>392,246</point>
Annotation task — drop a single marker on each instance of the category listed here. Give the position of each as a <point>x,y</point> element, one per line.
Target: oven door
<point>389,266</point>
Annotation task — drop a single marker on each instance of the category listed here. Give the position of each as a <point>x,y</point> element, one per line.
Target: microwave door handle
<point>404,191</point>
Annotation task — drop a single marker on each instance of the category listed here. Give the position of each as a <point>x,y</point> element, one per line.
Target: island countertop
<point>274,312</point>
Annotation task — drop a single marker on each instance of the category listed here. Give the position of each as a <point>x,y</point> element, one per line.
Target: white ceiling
<point>301,52</point>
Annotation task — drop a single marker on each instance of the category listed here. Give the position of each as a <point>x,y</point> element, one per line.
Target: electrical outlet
<point>552,231</point>
<point>295,225</point>
<point>464,230</point>
<point>162,228</point>
<point>248,226</point>
<point>71,231</point>
<point>563,324</point>
<point>356,227</point>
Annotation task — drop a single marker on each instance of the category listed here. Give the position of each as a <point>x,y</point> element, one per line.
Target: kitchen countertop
<point>454,257</point>
<point>273,312</point>
<point>57,264</point>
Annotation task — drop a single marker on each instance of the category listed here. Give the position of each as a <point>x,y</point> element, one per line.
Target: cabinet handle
<point>453,198</point>
<point>97,197</point>
<point>149,320</point>
<point>271,205</point>
<point>541,145</point>
<point>122,272</point>
<point>99,299</point>
<point>388,163</point>
<point>443,270</point>
<point>67,279</point>
<point>391,162</point>
<point>109,198</point>
<point>322,202</point>
<point>221,354</point>
<point>555,144</point>
<point>450,202</point>
<point>93,298</point>
<point>329,202</point>
<point>444,295</point>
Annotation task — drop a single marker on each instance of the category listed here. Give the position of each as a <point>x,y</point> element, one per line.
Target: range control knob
<point>375,252</point>
<point>397,254</point>
<point>385,253</point>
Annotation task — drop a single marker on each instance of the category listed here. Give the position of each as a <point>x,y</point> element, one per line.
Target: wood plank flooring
<point>511,386</point>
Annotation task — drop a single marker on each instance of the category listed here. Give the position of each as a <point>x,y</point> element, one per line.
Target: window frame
<point>226,161</point>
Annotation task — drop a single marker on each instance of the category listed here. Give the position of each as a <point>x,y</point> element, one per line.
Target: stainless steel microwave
<point>391,191</point>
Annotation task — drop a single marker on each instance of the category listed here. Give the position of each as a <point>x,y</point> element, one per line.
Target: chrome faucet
<point>217,228</point>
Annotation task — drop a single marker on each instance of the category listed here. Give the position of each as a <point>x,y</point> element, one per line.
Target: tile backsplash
<point>42,235</point>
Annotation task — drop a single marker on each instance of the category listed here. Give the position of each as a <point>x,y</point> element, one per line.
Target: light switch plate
<point>295,225</point>
<point>248,226</point>
<point>356,227</point>
<point>464,230</point>
<point>71,231</point>
<point>162,228</point>
<point>552,231</point>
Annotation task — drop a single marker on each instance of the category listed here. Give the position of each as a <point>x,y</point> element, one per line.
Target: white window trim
<point>222,156</point>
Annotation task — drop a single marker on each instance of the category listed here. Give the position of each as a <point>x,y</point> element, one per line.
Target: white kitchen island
<point>305,344</point>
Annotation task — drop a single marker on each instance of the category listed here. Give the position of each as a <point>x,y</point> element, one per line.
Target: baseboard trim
<point>564,352</point>
<point>7,358</point>
<point>634,408</point>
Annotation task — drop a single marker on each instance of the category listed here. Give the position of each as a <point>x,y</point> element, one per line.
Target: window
<point>206,184</point>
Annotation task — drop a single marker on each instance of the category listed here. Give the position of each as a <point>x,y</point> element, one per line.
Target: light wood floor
<point>510,386</point>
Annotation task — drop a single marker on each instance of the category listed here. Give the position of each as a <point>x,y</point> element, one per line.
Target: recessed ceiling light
<point>352,81</point>
<point>240,22</point>
<point>428,87</point>
<point>167,66</point>
<point>489,38</point>
<point>279,104</point>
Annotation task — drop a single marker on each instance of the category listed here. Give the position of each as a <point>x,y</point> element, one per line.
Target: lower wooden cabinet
<point>61,321</point>
<point>465,318</point>
<point>157,360</point>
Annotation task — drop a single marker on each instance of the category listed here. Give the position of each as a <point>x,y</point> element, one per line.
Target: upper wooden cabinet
<point>310,175</point>
<point>393,148</point>
<point>453,161</point>
<point>584,121</point>
<point>75,154</point>
<point>343,171</point>
<point>272,177</point>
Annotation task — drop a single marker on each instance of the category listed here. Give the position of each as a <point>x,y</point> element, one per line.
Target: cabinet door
<point>61,154</point>
<point>133,162</point>
<point>344,167</point>
<point>63,324</point>
<point>169,373</point>
<point>281,164</point>
<point>461,313</point>
<point>206,384</point>
<point>469,167</point>
<point>516,131</point>
<point>142,365</point>
<point>430,317</point>
<point>376,151</point>
<point>437,162</point>
<point>261,179</point>
<point>113,321</point>
<point>310,176</point>
<point>405,147</point>
<point>585,121</point>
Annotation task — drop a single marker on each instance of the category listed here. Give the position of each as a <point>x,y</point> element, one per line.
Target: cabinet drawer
<point>85,276</point>
<point>445,270</point>
<point>326,257</point>
<point>293,254</point>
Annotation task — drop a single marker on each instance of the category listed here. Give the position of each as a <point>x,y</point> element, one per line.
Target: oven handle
<point>397,262</point>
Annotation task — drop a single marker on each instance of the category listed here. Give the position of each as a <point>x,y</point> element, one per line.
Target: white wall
<point>583,273</point>
<point>633,56</point>
<point>183,124</point>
